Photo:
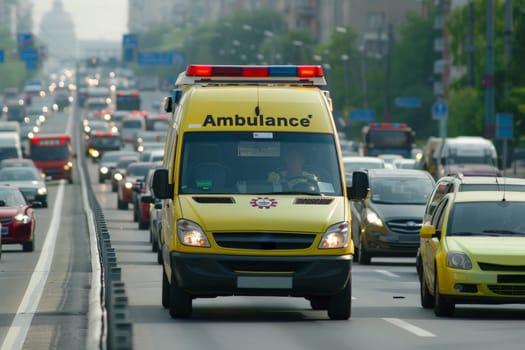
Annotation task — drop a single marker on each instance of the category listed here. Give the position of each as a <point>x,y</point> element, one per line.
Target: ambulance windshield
<point>260,163</point>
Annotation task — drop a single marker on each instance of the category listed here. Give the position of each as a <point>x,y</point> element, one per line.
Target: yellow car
<point>472,251</point>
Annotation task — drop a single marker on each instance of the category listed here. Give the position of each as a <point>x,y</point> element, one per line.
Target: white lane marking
<point>387,273</point>
<point>420,332</point>
<point>17,333</point>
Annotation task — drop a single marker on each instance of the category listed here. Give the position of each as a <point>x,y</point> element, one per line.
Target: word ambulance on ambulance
<point>228,227</point>
<point>53,155</point>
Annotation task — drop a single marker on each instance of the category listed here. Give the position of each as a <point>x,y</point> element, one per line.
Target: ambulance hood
<point>282,213</point>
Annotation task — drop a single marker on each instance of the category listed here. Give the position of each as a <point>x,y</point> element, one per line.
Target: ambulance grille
<point>213,200</point>
<point>315,201</point>
<point>263,241</point>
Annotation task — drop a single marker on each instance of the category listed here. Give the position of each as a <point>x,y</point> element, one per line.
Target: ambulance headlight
<point>191,234</point>
<point>336,236</point>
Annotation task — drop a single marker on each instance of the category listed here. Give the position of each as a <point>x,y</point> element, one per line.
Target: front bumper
<point>209,275</point>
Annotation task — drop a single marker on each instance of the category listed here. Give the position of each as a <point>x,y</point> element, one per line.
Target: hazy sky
<point>94,19</point>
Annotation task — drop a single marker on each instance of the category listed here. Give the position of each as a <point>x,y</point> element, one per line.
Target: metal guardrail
<point>117,329</point>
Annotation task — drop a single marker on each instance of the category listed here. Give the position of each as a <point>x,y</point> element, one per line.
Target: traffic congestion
<point>230,204</point>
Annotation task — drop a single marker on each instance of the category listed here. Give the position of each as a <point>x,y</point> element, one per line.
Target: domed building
<point>57,32</point>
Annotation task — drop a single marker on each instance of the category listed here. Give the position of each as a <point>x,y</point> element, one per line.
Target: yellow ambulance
<point>253,190</point>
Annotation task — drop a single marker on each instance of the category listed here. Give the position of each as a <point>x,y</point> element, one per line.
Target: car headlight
<point>373,218</point>
<point>191,234</point>
<point>459,260</point>
<point>22,219</point>
<point>118,176</point>
<point>42,191</point>
<point>128,185</point>
<point>336,236</point>
<point>104,170</point>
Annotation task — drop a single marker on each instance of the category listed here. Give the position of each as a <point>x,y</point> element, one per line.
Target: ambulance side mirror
<point>162,189</point>
<point>360,186</point>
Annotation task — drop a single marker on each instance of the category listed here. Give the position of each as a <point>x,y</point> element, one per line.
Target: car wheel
<point>340,305</point>
<point>100,180</point>
<point>154,243</point>
<point>165,290</point>
<point>159,255</point>
<point>135,215</point>
<point>114,187</point>
<point>143,225</point>
<point>121,205</point>
<point>28,247</point>
<point>442,306</point>
<point>70,181</point>
<point>364,257</point>
<point>319,303</point>
<point>427,299</point>
<point>179,301</point>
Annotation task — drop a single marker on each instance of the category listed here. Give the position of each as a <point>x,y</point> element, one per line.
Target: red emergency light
<point>302,71</point>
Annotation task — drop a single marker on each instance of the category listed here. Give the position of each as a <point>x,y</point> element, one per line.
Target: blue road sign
<point>24,40</point>
<point>160,58</point>
<point>408,102</point>
<point>28,55</point>
<point>31,65</point>
<point>439,110</point>
<point>130,41</point>
<point>2,56</point>
<point>362,115</point>
<point>504,126</point>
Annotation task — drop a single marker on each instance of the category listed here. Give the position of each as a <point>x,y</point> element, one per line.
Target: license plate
<point>264,282</point>
<point>4,231</point>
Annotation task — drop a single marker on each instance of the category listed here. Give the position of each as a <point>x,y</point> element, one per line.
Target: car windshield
<point>11,197</point>
<point>138,171</point>
<point>487,219</point>
<point>22,174</point>
<point>400,190</point>
<point>245,162</point>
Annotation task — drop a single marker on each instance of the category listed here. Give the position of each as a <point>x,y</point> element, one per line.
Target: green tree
<point>412,72</point>
<point>465,112</point>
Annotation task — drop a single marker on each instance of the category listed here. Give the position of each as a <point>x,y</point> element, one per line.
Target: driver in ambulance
<point>293,176</point>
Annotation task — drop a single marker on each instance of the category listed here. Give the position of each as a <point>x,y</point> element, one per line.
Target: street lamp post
<point>364,76</point>
<point>345,58</point>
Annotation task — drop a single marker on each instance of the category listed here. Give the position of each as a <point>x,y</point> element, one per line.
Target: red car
<point>134,172</point>
<point>17,218</point>
<point>142,200</point>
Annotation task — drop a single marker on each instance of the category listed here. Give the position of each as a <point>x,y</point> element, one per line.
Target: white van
<point>466,155</point>
<point>10,145</point>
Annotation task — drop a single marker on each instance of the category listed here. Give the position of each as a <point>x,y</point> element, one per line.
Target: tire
<point>28,247</point>
<point>154,243</point>
<point>179,301</point>
<point>121,205</point>
<point>143,225</point>
<point>135,215</point>
<point>340,305</point>
<point>442,306</point>
<point>427,299</point>
<point>100,180</point>
<point>159,255</point>
<point>165,290</point>
<point>319,303</point>
<point>364,257</point>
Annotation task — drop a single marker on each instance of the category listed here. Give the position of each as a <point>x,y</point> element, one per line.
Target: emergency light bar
<point>288,74</point>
